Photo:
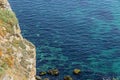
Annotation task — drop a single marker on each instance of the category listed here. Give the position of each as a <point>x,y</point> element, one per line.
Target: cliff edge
<point>17,55</point>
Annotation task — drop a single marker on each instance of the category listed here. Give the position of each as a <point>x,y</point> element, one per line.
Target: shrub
<point>1,71</point>
<point>9,51</point>
<point>7,20</point>
<point>18,43</point>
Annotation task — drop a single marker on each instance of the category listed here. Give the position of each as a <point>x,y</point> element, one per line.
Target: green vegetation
<point>1,71</point>
<point>7,20</point>
<point>8,17</point>
<point>4,65</point>
<point>18,43</point>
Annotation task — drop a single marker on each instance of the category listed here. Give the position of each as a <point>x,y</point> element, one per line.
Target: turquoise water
<point>72,34</point>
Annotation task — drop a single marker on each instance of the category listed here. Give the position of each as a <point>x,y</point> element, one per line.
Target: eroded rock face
<point>17,55</point>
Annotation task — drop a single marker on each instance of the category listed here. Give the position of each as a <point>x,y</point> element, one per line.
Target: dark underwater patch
<point>104,15</point>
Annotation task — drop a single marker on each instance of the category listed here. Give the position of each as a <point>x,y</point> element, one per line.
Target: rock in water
<point>42,73</point>
<point>68,77</point>
<point>53,72</point>
<point>76,71</point>
<point>38,78</point>
<point>46,79</point>
<point>17,55</point>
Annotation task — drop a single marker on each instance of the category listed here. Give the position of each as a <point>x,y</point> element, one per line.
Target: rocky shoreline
<point>56,72</point>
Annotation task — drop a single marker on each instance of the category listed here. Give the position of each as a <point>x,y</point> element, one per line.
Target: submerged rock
<point>42,73</point>
<point>53,72</point>
<point>38,78</point>
<point>68,77</point>
<point>46,79</point>
<point>76,71</point>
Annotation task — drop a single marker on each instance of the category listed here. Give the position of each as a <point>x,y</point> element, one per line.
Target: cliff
<point>17,55</point>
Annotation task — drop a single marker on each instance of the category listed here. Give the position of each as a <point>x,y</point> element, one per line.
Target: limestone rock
<point>17,55</point>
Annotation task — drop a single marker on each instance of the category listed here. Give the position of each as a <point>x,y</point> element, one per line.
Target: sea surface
<point>70,34</point>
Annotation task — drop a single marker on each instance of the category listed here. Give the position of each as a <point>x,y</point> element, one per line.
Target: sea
<point>69,34</point>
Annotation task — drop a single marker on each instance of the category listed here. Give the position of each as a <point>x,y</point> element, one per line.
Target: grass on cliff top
<point>8,16</point>
<point>7,19</point>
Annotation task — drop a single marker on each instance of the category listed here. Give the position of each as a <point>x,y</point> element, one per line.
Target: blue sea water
<point>70,34</point>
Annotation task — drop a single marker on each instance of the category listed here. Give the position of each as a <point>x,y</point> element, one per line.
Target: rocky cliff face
<point>17,55</point>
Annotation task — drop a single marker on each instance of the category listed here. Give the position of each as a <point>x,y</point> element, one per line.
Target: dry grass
<point>1,52</point>
<point>9,61</point>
